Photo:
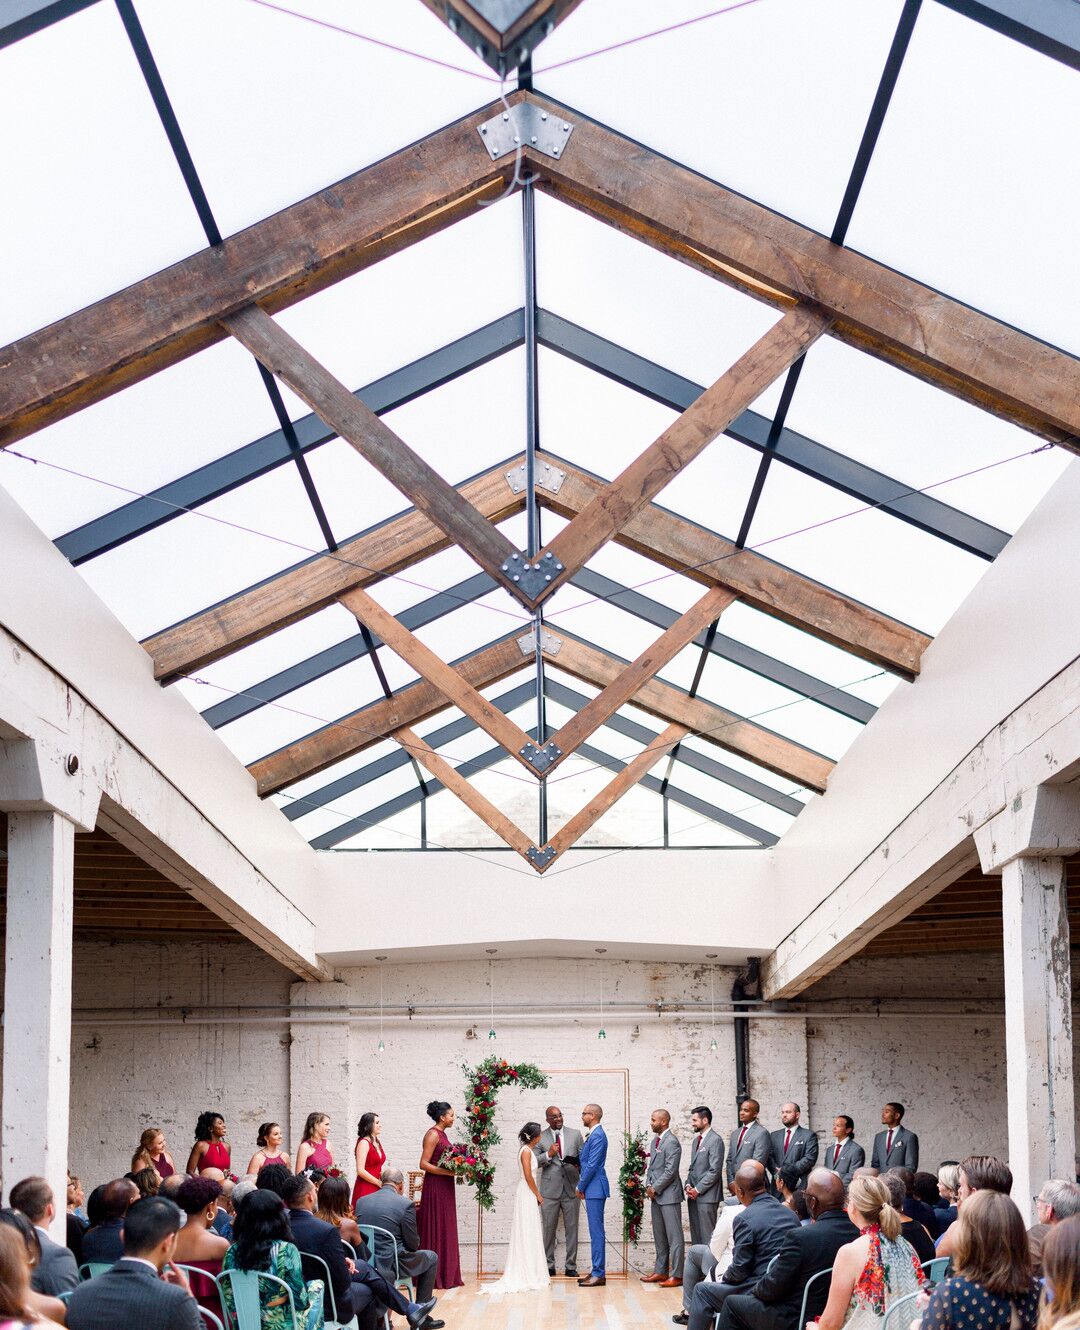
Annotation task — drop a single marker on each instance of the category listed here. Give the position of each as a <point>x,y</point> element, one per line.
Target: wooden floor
<point>621,1302</point>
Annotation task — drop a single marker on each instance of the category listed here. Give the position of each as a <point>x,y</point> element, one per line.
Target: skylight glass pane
<point>922,436</point>
<point>93,199</point>
<point>639,298</point>
<point>728,96</point>
<point>274,107</point>
<point>399,832</point>
<point>985,211</point>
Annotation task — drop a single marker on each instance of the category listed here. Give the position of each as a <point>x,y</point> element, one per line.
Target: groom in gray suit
<point>664,1188</point>
<point>704,1176</point>
<point>557,1160</point>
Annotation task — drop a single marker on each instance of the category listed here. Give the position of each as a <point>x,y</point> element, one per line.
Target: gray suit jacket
<point>707,1167</point>
<point>757,1144</point>
<point>58,1272</point>
<point>387,1209</point>
<point>131,1294</point>
<point>663,1171</point>
<point>852,1156</point>
<point>556,1178</point>
<point>802,1151</point>
<point>904,1152</point>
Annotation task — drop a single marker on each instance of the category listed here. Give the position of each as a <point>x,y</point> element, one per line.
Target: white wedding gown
<point>526,1264</point>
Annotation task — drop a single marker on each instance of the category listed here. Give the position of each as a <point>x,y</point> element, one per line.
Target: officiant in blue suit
<point>594,1190</point>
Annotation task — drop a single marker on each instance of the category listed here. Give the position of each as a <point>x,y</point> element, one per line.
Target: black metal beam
<point>728,648</point>
<point>342,653</point>
<point>794,449</point>
<point>22,18</point>
<point>1051,27</point>
<point>272,450</point>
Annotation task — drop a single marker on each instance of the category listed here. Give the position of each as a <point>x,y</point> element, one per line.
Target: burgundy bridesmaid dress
<point>437,1221</point>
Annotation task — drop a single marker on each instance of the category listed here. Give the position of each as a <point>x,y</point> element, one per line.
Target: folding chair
<point>243,1287</point>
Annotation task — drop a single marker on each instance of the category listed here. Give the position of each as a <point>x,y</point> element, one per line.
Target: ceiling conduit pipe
<point>746,988</point>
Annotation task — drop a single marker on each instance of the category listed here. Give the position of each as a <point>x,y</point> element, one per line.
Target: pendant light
<point>711,956</point>
<point>601,1033</point>
<point>491,951</point>
<point>382,1047</point>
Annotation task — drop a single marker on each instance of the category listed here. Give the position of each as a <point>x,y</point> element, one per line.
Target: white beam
<point>37,1002</point>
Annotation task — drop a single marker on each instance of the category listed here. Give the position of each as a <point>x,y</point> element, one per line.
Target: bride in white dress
<point>526,1264</point>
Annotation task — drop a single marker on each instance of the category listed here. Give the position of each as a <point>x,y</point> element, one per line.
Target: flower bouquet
<point>632,1184</point>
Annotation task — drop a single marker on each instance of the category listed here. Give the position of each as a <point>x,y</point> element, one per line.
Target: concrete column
<point>1028,844</point>
<point>37,1002</point>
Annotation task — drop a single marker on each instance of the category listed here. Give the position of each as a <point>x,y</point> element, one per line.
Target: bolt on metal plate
<point>548,642</point>
<point>540,858</point>
<point>525,126</point>
<point>541,758</point>
<point>548,477</point>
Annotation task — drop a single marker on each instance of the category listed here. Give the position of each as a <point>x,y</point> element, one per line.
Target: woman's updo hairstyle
<point>263,1138</point>
<point>437,1108</point>
<point>204,1128</point>
<point>529,1132</point>
<point>872,1199</point>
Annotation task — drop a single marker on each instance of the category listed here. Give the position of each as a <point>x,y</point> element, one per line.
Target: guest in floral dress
<point>264,1243</point>
<point>872,1272</point>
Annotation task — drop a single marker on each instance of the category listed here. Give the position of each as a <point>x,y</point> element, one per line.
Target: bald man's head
<point>749,1180</point>
<point>824,1192</point>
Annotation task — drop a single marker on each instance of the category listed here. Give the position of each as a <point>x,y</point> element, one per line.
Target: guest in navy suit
<point>593,1189</point>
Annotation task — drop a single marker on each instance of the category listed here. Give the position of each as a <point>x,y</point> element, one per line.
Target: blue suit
<point>593,1185</point>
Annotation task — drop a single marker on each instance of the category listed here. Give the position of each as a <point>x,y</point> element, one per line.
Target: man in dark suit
<point>845,1154</point>
<point>775,1300</point>
<point>758,1234</point>
<point>359,1289</point>
<point>142,1288</point>
<point>104,1242</point>
<point>57,1271</point>
<point>391,1209</point>
<point>793,1144</point>
<point>895,1147</point>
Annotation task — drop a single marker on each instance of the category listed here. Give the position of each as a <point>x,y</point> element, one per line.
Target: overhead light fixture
<point>712,993</point>
<point>601,1033</point>
<point>491,951</point>
<point>382,1047</point>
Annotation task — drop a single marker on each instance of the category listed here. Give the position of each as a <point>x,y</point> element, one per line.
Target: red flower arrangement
<point>482,1085</point>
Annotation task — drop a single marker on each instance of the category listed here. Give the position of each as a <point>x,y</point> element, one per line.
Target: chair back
<point>368,1233</point>
<point>92,1269</point>
<point>936,1269</point>
<point>214,1322</point>
<point>243,1288</point>
<point>905,1304</point>
<point>323,1274</point>
<point>818,1275</point>
<point>350,1251</point>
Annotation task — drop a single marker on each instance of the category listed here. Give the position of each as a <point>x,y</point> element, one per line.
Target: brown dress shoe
<point>671,1283</point>
<point>593,1281</point>
<point>653,1279</point>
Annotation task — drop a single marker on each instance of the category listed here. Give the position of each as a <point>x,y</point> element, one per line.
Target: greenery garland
<point>632,1184</point>
<point>470,1160</point>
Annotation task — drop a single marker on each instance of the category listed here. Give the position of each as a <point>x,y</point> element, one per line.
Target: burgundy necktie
<point>787,1140</point>
<point>656,1145</point>
<point>836,1155</point>
<point>888,1144</point>
<point>699,1140</point>
<point>558,1142</point>
<point>742,1137</point>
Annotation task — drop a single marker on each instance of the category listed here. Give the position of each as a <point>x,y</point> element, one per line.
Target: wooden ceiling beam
<point>161,320</point>
<point>740,242</point>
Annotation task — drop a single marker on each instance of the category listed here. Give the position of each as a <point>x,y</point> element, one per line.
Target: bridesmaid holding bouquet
<point>437,1211</point>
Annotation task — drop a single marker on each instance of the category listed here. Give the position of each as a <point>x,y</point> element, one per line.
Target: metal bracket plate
<point>541,758</point>
<point>540,858</point>
<point>548,478</point>
<point>525,126</point>
<point>532,578</point>
<point>548,642</point>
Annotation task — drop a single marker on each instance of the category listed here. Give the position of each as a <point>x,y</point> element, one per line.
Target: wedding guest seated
<point>56,1271</point>
<point>775,1300</point>
<point>926,1190</point>
<point>992,1286</point>
<point>914,1208</point>
<point>171,1185</point>
<point>708,1262</point>
<point>143,1288</point>
<point>916,1234</point>
<point>948,1184</point>
<point>147,1181</point>
<point>334,1209</point>
<point>272,1177</point>
<point>390,1209</point>
<point>103,1242</point>
<point>758,1233</point>
<point>264,1243</point>
<point>1057,1200</point>
<point>43,1305</point>
<point>1061,1271</point>
<point>976,1173</point>
<point>241,1189</point>
<point>876,1269</point>
<point>787,1184</point>
<point>77,1222</point>
<point>356,1284</point>
<point>222,1224</point>
<point>197,1244</point>
<point>16,1309</point>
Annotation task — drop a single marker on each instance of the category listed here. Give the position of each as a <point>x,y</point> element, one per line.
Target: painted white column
<point>1038,1025</point>
<point>37,1002</point>
<point>1028,844</point>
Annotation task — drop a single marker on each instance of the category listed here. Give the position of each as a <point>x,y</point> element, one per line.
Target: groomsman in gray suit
<point>845,1155</point>
<point>749,1140</point>
<point>664,1188</point>
<point>895,1147</point>
<point>793,1144</point>
<point>557,1159</point>
<point>703,1178</point>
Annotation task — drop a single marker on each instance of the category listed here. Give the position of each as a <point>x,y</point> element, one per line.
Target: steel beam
<point>1051,27</point>
<point>21,18</point>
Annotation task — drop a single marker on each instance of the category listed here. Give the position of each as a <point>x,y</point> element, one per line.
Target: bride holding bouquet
<point>526,1263</point>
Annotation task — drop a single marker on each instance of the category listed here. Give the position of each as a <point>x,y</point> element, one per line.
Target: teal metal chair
<point>906,1304</point>
<point>403,1282</point>
<point>92,1269</point>
<point>209,1319</point>
<point>333,1321</point>
<point>243,1286</point>
<point>937,1269</point>
<point>820,1274</point>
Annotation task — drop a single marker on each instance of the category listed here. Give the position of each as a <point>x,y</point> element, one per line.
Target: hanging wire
<point>515,180</point>
<point>491,991</point>
<point>382,1046</point>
